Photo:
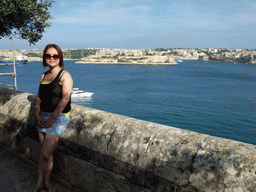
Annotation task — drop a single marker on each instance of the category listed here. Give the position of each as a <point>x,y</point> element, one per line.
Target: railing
<point>11,74</point>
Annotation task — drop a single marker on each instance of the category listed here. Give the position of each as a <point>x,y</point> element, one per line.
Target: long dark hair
<point>61,64</point>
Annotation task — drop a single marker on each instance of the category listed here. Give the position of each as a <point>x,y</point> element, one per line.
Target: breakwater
<point>103,151</point>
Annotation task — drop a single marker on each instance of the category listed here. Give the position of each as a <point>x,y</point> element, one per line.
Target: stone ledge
<point>138,154</point>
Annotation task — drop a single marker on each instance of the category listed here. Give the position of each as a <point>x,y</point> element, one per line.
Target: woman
<point>52,108</point>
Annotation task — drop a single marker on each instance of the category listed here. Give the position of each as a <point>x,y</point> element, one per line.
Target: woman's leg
<point>47,144</point>
<point>48,147</point>
<point>40,181</point>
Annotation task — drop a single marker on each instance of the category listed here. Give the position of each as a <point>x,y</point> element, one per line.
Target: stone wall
<point>101,152</point>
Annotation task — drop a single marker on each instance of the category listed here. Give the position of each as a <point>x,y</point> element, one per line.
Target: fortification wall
<point>102,151</point>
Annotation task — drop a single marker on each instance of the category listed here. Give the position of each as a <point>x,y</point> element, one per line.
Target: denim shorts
<point>58,127</point>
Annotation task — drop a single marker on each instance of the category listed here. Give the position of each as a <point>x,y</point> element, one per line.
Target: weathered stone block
<point>171,154</point>
<point>32,149</point>
<point>130,140</point>
<point>111,182</point>
<point>82,174</point>
<point>158,184</point>
<point>135,188</point>
<point>76,189</point>
<point>134,174</point>
<point>4,135</point>
<point>61,164</point>
<point>82,152</point>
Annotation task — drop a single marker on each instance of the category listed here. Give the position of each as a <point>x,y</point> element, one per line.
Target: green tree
<point>26,19</point>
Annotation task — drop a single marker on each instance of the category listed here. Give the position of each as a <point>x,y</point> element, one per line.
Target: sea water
<point>215,98</point>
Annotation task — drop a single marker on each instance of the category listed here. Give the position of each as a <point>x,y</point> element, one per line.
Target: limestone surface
<point>126,154</point>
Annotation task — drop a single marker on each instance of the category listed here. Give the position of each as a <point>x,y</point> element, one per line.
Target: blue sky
<point>149,24</point>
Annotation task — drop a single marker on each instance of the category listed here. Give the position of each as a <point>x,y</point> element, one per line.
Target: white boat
<point>76,93</point>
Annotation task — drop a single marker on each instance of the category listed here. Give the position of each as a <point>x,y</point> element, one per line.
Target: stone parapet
<point>101,151</point>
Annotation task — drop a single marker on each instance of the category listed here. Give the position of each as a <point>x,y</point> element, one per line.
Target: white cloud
<point>62,4</point>
<point>195,20</point>
<point>98,14</point>
<point>207,16</point>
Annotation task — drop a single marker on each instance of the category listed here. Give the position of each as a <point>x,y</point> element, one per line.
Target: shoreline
<point>123,63</point>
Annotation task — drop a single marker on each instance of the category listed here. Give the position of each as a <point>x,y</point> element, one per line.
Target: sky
<point>148,24</point>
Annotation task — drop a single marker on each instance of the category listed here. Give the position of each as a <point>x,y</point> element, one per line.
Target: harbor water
<point>215,98</point>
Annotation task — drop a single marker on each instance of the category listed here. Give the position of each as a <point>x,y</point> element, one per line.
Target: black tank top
<point>51,94</point>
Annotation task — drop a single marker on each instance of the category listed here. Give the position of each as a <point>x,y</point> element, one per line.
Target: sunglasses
<point>55,57</point>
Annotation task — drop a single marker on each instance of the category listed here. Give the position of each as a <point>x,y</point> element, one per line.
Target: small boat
<point>76,93</point>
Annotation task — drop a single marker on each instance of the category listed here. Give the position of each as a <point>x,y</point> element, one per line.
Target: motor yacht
<point>76,93</point>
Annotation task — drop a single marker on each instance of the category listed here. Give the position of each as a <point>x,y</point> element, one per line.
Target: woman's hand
<point>50,121</point>
<point>40,121</point>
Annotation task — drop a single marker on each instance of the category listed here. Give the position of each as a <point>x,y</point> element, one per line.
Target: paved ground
<point>19,176</point>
